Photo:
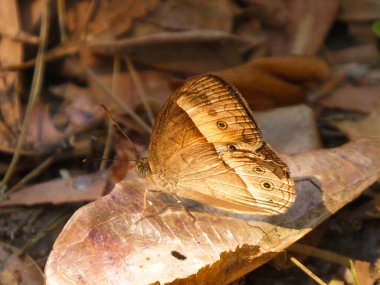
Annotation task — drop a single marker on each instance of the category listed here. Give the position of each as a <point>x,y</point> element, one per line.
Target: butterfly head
<point>142,167</point>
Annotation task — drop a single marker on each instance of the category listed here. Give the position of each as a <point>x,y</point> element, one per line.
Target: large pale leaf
<point>105,243</point>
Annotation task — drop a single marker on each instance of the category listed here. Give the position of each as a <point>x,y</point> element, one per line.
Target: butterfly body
<point>207,147</point>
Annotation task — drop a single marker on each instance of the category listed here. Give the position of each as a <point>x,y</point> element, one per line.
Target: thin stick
<point>91,13</point>
<point>126,108</point>
<point>140,88</point>
<point>307,271</point>
<point>320,253</point>
<point>62,216</point>
<point>354,274</point>
<point>34,92</point>
<point>68,48</point>
<point>325,255</point>
<point>110,129</point>
<point>36,171</point>
<point>61,6</point>
<point>21,36</point>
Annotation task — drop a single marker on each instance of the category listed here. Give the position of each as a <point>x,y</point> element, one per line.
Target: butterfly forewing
<point>218,111</point>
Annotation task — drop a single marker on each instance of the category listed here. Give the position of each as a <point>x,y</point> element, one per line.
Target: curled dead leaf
<point>117,247</point>
<point>277,81</point>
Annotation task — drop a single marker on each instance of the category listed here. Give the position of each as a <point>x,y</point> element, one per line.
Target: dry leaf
<point>18,271</point>
<point>87,187</point>
<point>309,23</point>
<point>367,54</point>
<point>270,13</point>
<point>364,10</point>
<point>115,247</point>
<point>175,51</point>
<point>278,81</point>
<point>155,85</point>
<point>368,127</point>
<point>48,129</point>
<point>105,19</point>
<point>353,98</point>
<point>175,15</point>
<point>362,32</point>
<point>11,52</point>
<point>289,130</point>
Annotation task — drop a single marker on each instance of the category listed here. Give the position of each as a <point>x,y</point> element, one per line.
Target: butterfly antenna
<point>122,132</point>
<point>86,160</point>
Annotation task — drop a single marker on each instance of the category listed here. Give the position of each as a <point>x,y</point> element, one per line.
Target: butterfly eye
<point>232,147</point>
<point>221,125</point>
<point>258,170</point>
<point>266,185</point>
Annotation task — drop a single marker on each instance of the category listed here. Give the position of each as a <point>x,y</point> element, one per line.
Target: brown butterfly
<point>206,146</point>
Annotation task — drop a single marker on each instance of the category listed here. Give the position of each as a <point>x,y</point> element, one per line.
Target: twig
<point>140,88</point>
<point>126,108</point>
<point>57,220</point>
<point>22,37</point>
<point>61,6</point>
<point>307,271</point>
<point>325,255</point>
<point>320,253</point>
<point>91,13</point>
<point>31,175</point>
<point>68,48</point>
<point>354,273</point>
<point>34,92</point>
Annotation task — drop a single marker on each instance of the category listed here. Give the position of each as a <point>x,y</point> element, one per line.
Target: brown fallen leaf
<point>11,53</point>
<point>178,15</point>
<point>115,247</point>
<point>289,130</point>
<point>367,127</point>
<point>48,129</point>
<point>362,32</point>
<point>105,19</point>
<point>175,51</point>
<point>277,81</point>
<point>309,23</point>
<point>18,271</point>
<point>57,191</point>
<point>270,13</point>
<point>155,85</point>
<point>353,98</point>
<point>365,10</point>
<point>367,54</point>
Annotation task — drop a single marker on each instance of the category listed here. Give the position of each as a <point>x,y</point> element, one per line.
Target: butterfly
<point>205,146</point>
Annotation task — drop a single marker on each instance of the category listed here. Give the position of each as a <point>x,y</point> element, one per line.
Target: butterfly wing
<point>207,147</point>
<point>218,111</point>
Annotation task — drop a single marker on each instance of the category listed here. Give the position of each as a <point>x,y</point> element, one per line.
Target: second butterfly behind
<point>206,146</point>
